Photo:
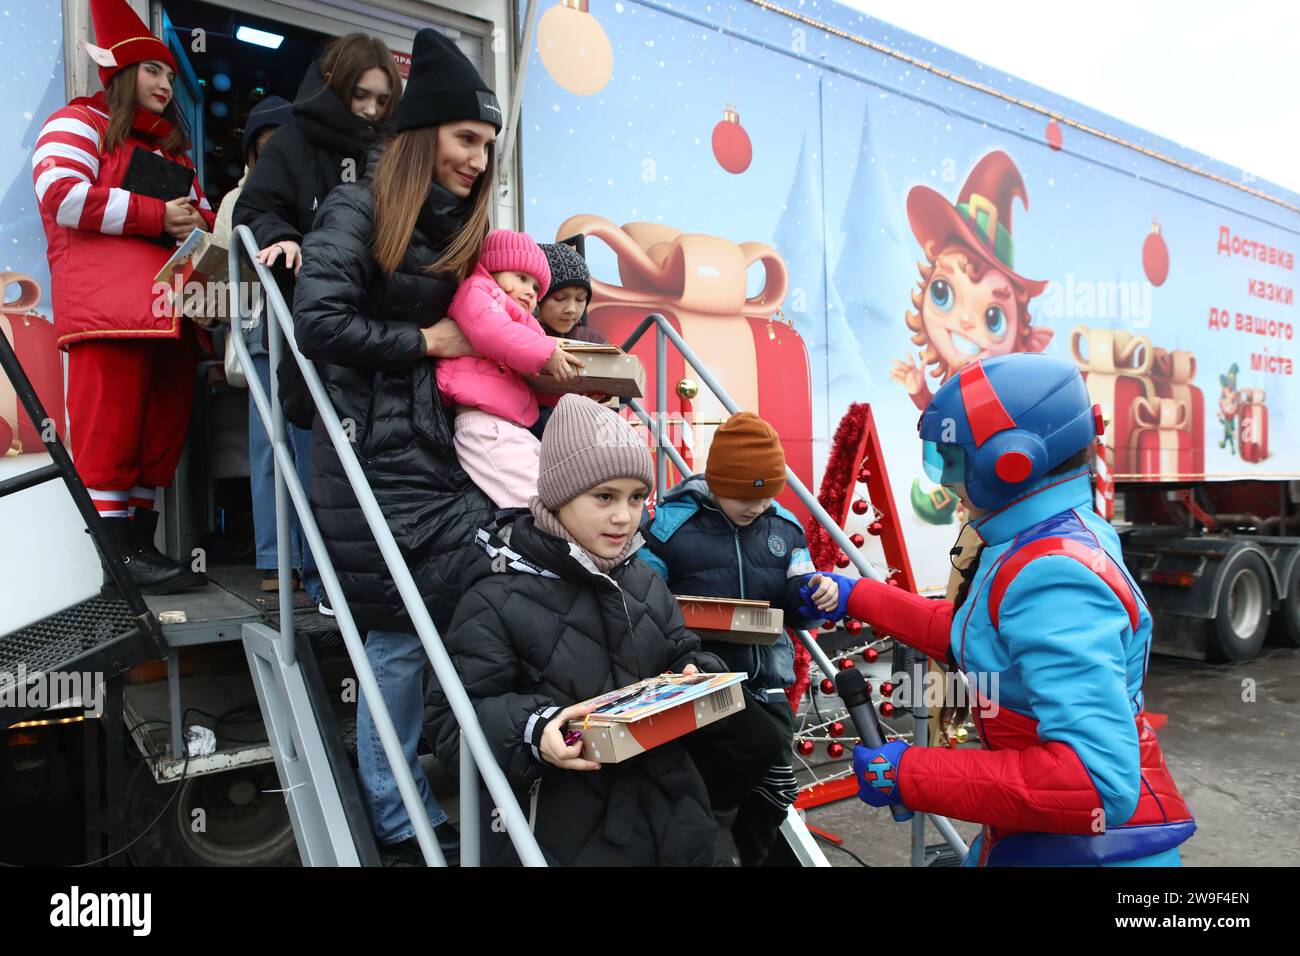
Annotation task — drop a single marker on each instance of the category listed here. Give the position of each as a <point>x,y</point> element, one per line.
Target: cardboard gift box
<point>1172,373</point>
<point>202,259</point>
<point>1160,442</point>
<point>1252,425</point>
<point>609,371</point>
<point>36,346</point>
<point>732,620</point>
<point>651,712</point>
<point>699,284</point>
<point>1116,367</point>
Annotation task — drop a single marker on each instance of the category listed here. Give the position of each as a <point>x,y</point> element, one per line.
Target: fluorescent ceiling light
<point>260,37</point>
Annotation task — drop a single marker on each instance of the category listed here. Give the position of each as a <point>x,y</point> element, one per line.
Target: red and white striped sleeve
<point>65,171</point>
<point>201,201</point>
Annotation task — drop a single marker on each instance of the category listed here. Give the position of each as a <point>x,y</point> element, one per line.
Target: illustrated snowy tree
<point>813,303</point>
<point>873,260</point>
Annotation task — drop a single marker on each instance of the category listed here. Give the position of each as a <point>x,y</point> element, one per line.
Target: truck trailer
<point>791,186</point>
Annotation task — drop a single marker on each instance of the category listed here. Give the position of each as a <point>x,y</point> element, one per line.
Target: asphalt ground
<point>1232,742</point>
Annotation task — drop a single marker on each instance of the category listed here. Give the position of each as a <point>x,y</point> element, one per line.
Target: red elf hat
<point>123,39</point>
<point>981,218</point>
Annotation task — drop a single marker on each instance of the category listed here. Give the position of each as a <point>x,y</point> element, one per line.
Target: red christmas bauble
<point>842,561</point>
<point>887,689</point>
<point>828,625</point>
<point>828,686</point>
<point>731,146</point>
<point>837,729</point>
<point>806,747</point>
<point>857,539</point>
<point>1155,256</point>
<point>870,655</point>
<point>867,686</point>
<point>853,627</point>
<point>864,476</point>
<point>886,709</point>
<point>860,507</point>
<point>835,751</point>
<point>1054,137</point>
<point>875,528</point>
<point>844,664</point>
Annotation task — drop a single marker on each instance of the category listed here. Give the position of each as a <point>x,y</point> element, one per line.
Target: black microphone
<point>853,690</point>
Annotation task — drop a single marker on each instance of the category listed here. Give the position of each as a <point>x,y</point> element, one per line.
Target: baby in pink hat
<point>494,404</point>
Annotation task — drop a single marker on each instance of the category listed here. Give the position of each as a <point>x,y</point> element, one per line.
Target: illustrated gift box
<point>36,346</point>
<point>1116,366</point>
<point>1252,425</point>
<point>698,283</point>
<point>1172,373</point>
<point>1160,440</point>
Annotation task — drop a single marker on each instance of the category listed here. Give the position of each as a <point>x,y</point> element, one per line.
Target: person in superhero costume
<point>1070,771</point>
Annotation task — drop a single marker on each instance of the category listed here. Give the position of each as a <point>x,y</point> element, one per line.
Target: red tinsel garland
<point>838,482</point>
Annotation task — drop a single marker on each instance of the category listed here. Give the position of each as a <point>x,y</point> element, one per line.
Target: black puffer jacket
<point>324,146</point>
<point>364,329</point>
<point>540,630</point>
<point>303,162</point>
<point>697,550</point>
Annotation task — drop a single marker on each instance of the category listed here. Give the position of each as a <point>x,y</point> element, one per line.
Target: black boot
<point>144,528</point>
<point>151,576</point>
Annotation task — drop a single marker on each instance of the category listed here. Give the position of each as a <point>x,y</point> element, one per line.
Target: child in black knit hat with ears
<point>563,310</point>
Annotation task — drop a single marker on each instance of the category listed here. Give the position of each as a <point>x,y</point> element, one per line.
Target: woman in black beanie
<point>378,271</point>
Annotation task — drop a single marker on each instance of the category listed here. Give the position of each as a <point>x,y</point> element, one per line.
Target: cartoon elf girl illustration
<point>1229,406</point>
<point>970,302</point>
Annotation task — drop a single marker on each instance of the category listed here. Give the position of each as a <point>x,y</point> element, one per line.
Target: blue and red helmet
<point>1002,423</point>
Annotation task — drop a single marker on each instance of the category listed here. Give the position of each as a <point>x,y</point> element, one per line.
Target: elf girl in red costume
<point>970,302</point>
<point>131,356</point>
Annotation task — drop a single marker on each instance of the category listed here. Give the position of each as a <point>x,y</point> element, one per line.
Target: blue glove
<point>876,770</point>
<point>809,611</point>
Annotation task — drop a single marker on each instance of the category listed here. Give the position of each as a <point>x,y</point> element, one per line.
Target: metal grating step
<point>97,636</point>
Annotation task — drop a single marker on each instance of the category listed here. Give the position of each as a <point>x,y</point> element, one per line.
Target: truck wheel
<point>1245,604</point>
<point>240,824</point>
<point>1286,629</point>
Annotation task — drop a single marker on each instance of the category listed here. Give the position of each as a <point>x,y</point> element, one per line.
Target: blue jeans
<point>398,662</point>
<point>261,472</point>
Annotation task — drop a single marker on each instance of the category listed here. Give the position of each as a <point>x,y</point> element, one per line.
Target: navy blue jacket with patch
<point>697,550</point>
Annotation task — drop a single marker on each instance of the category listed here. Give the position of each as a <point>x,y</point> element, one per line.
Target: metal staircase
<point>95,640</point>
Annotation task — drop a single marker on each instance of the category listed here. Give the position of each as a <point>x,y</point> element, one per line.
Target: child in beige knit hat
<point>561,611</point>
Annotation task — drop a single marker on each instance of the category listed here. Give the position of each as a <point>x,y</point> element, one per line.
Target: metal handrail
<point>476,754</point>
<point>664,332</point>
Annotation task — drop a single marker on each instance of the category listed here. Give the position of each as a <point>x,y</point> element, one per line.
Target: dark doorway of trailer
<point>229,62</point>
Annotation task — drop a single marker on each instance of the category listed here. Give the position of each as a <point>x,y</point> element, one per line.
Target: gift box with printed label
<point>608,371</point>
<point>651,712</point>
<point>732,620</point>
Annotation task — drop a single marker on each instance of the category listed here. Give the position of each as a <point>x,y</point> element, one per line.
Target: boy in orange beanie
<point>721,534</point>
